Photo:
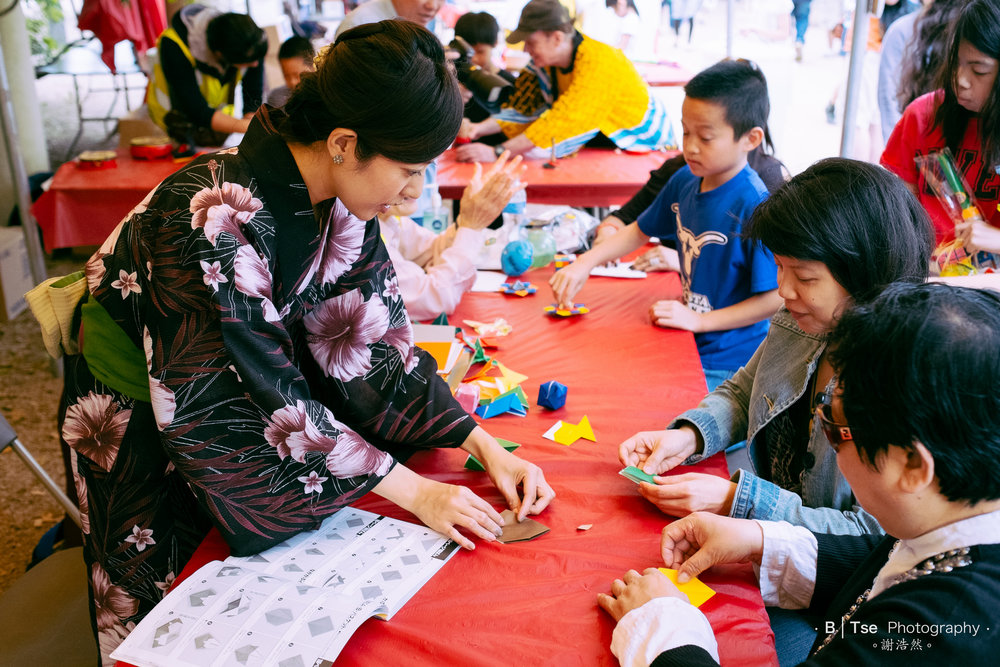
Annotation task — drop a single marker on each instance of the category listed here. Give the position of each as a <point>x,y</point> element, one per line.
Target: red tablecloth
<point>593,177</point>
<point>82,207</point>
<point>531,603</point>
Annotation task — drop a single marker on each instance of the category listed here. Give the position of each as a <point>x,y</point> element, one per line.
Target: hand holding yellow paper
<point>697,592</point>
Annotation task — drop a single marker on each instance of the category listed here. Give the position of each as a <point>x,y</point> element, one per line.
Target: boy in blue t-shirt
<point>730,284</point>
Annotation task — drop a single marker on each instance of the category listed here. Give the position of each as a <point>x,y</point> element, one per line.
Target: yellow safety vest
<point>216,93</point>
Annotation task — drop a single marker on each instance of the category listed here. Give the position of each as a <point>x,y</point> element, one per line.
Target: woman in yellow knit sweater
<point>574,89</point>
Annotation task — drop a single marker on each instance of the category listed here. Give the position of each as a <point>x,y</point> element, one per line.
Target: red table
<point>593,177</point>
<point>531,603</point>
<point>82,207</point>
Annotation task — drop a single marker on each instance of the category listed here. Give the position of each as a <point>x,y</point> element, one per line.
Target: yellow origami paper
<point>568,433</point>
<point>696,591</point>
<point>511,378</point>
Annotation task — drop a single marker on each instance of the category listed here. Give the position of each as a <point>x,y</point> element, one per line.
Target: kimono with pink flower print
<point>283,379</point>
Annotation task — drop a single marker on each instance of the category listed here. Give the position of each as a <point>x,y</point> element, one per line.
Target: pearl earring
<point>338,159</point>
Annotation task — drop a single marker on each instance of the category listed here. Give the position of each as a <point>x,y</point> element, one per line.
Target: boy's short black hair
<point>739,87</point>
<point>237,38</point>
<point>296,47</point>
<point>478,28</point>
<point>856,218</point>
<point>920,363</point>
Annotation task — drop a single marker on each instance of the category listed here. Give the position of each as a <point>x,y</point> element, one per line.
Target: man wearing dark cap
<point>575,90</point>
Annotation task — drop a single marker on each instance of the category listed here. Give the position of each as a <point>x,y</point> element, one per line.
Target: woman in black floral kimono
<point>247,360</point>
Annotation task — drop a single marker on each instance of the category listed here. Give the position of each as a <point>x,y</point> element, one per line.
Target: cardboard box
<point>15,273</point>
<point>137,123</point>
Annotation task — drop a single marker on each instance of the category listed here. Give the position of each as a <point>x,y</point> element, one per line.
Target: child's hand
<point>567,281</point>
<point>659,258</point>
<point>485,196</point>
<point>634,590</point>
<point>672,314</point>
<point>978,235</point>
<point>680,495</point>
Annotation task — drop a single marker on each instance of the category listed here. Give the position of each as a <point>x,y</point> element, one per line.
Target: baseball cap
<point>539,15</point>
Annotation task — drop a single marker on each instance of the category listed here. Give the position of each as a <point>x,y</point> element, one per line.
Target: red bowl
<point>94,160</point>
<point>151,148</point>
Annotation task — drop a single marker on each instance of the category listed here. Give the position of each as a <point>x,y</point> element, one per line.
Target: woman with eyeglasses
<point>840,232</point>
<point>248,362</point>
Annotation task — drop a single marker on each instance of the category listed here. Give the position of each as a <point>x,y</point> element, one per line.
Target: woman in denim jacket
<point>840,232</point>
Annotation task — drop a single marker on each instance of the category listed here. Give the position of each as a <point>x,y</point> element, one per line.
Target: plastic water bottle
<point>514,210</point>
<point>436,218</point>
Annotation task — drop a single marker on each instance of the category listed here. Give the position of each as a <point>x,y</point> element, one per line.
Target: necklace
<point>946,561</point>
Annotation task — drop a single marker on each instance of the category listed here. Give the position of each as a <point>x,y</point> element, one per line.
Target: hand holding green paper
<point>636,475</point>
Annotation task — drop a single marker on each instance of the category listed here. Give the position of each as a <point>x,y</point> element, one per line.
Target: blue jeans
<point>794,634</point>
<point>800,10</point>
<point>714,378</point>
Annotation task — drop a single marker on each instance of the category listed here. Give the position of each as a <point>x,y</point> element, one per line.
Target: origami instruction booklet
<point>296,603</point>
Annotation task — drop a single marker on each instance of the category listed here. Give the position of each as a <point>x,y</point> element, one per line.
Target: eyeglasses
<point>836,433</point>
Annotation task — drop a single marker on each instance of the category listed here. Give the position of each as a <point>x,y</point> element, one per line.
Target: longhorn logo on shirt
<point>690,248</point>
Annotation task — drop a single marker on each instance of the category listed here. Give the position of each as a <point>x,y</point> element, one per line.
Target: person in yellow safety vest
<point>200,59</point>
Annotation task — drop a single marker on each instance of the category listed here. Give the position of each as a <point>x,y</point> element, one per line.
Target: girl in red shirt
<point>965,117</point>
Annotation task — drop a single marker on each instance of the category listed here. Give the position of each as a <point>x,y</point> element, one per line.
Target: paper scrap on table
<point>636,475</point>
<point>696,591</point>
<point>617,270</point>
<point>488,281</point>
<point>498,327</point>
<point>528,529</point>
<point>566,434</point>
<point>472,463</point>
